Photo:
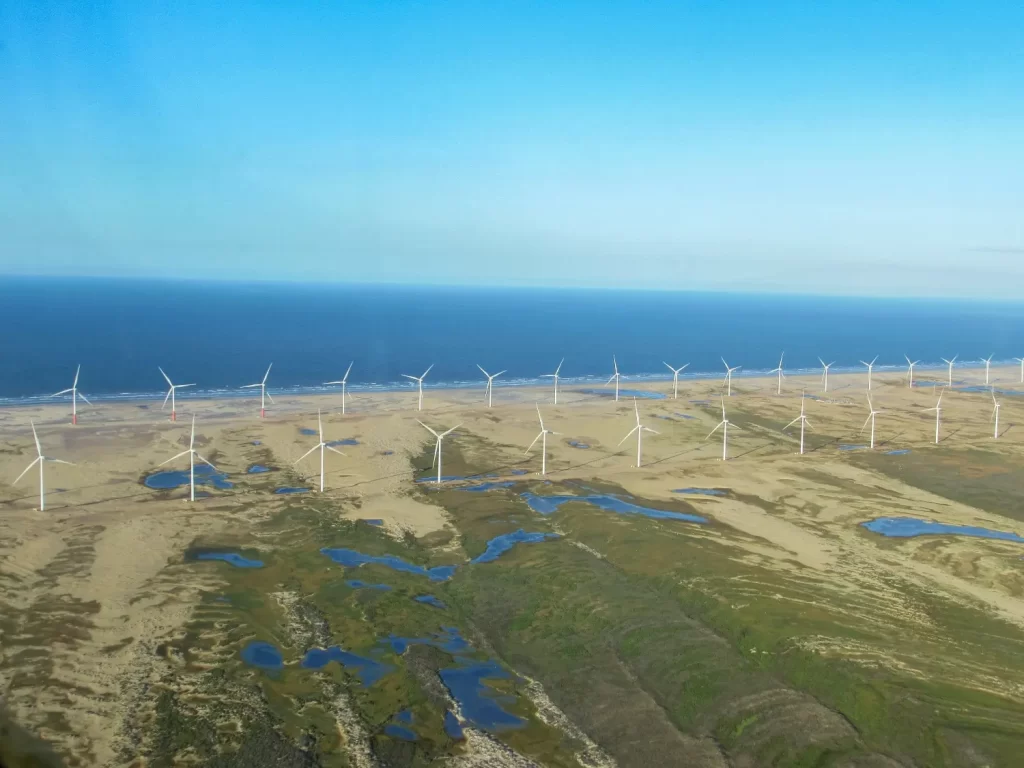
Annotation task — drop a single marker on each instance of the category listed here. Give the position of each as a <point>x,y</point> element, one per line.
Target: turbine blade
<point>62,392</point>
<point>406,375</point>
<point>541,418</point>
<point>182,386</point>
<point>78,370</point>
<point>266,375</point>
<point>332,448</point>
<point>344,378</point>
<point>174,458</point>
<point>168,378</point>
<point>559,368</point>
<point>250,386</point>
<point>634,429</point>
<point>794,421</point>
<point>84,398</point>
<point>427,428</point>
<point>499,374</point>
<point>485,373</point>
<point>167,397</point>
<point>427,371</point>
<point>207,462</point>
<point>61,461</point>
<point>315,447</point>
<point>270,398</point>
<point>538,437</point>
<point>652,431</point>
<point>35,436</point>
<point>715,429</point>
<point>443,434</point>
<point>35,461</point>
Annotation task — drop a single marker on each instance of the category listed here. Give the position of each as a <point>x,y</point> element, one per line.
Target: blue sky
<point>834,147</point>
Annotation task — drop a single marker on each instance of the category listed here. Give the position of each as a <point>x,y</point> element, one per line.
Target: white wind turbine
<point>192,456</point>
<point>419,382</point>
<point>490,382</point>
<point>778,370</point>
<point>938,414</point>
<point>910,365</point>
<point>40,459</point>
<point>728,375</point>
<point>871,418</point>
<point>615,377</point>
<point>824,374</point>
<point>988,365</point>
<point>75,394</point>
<point>871,367</point>
<point>437,447</point>
<point>802,418</point>
<point>323,446</point>
<point>995,414</point>
<point>724,424</point>
<point>555,377</point>
<point>639,429</point>
<point>264,395</point>
<point>677,371</point>
<point>170,393</point>
<point>1021,361</point>
<point>344,386</point>
<point>543,437</point>
<point>950,364</point>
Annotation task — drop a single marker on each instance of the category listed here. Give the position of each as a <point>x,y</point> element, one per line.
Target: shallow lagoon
<point>173,478</point>
<point>368,670</point>
<point>547,505</point>
<point>233,558</point>
<point>291,490</point>
<point>262,655</point>
<point>908,527</point>
<point>350,558</point>
<point>499,545</point>
<point>700,491</point>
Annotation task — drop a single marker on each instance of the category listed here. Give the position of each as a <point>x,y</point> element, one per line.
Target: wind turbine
<point>995,414</point>
<point>938,414</point>
<point>40,459</point>
<point>988,365</point>
<point>323,447</point>
<point>677,371</point>
<point>615,377</point>
<point>724,424</point>
<point>490,382</point>
<point>419,381</point>
<point>555,377</point>
<point>802,418</point>
<point>437,448</point>
<point>170,393</point>
<point>344,385</point>
<point>192,456</point>
<point>871,367</point>
<point>950,364</point>
<point>728,375</point>
<point>871,418</point>
<point>1021,361</point>
<point>781,374</point>
<point>75,394</point>
<point>639,429</point>
<point>911,364</point>
<point>264,395</point>
<point>824,375</point>
<point>543,437</point>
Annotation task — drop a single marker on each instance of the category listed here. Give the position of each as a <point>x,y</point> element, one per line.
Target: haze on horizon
<point>870,148</point>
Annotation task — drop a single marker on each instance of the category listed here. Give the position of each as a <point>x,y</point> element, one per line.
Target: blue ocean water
<point>121,330</point>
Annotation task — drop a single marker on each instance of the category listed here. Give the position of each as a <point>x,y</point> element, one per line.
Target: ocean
<point>223,335</point>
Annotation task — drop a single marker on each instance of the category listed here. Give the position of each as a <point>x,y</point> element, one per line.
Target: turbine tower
<point>437,447</point>
<point>323,447</point>
<point>802,418</point>
<point>871,418</point>
<point>490,382</point>
<point>938,414</point>
<point>264,395</point>
<point>778,370</point>
<point>910,365</point>
<point>639,429</point>
<point>75,394</point>
<point>419,382</point>
<point>724,424</point>
<point>555,377</point>
<point>543,437</point>
<point>871,367</point>
<point>988,366</point>
<point>950,364</point>
<point>995,414</point>
<point>615,377</point>
<point>192,456</point>
<point>677,371</point>
<point>1021,361</point>
<point>728,375</point>
<point>824,373</point>
<point>40,459</point>
<point>344,386</point>
<point>170,393</point>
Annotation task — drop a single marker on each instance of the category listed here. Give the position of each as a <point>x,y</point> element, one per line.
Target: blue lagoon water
<point>479,703</point>
<point>430,600</point>
<point>233,558</point>
<point>357,584</point>
<point>400,732</point>
<point>262,655</point>
<point>499,545</point>
<point>368,670</point>
<point>547,505</point>
<point>173,478</point>
<point>395,329</point>
<point>700,491</point>
<point>256,469</point>
<point>291,490</point>
<point>908,527</point>
<point>350,558</point>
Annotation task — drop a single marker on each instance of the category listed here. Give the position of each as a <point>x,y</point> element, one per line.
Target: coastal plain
<point>687,612</point>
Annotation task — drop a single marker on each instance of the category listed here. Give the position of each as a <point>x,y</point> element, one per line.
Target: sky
<point>830,147</point>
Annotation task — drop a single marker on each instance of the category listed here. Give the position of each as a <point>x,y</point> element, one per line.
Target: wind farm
<point>424,505</point>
